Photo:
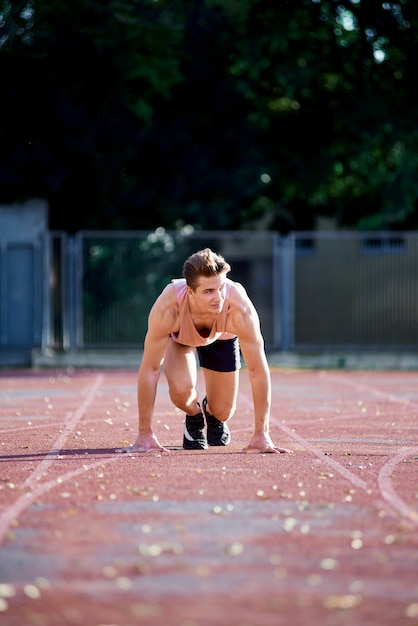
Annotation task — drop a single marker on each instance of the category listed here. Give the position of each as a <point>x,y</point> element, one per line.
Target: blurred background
<point>170,120</point>
<point>145,113</point>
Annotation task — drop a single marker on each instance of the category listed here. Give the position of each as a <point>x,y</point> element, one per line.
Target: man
<point>208,314</point>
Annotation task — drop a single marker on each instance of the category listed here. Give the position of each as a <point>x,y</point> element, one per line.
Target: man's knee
<point>222,411</point>
<point>182,393</point>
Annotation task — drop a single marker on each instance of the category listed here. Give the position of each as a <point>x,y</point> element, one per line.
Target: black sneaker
<point>194,437</point>
<point>218,432</point>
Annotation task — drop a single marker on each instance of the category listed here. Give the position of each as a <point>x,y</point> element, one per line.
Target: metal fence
<point>351,290</point>
<point>313,291</point>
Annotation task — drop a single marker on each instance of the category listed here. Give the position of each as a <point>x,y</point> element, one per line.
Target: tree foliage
<point>221,114</point>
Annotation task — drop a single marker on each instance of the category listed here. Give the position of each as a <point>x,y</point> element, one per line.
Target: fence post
<point>71,300</point>
<point>287,280</point>
<point>276,289</point>
<point>46,321</point>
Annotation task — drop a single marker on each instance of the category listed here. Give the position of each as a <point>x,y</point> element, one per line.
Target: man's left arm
<point>247,326</point>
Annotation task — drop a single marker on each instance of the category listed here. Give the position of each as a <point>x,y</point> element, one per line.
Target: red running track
<point>327,536</point>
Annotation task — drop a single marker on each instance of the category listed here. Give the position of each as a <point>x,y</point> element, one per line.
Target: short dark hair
<point>204,263</point>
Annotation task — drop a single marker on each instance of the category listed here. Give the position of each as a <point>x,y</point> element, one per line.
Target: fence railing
<point>353,290</point>
<point>313,290</point>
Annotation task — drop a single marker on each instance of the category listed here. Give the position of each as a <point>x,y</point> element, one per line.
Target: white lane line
<point>345,380</point>
<point>386,487</point>
<point>352,478</point>
<point>25,500</point>
<point>56,447</point>
<point>384,479</point>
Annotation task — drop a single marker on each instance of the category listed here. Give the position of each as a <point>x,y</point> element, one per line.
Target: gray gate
<point>351,290</point>
<point>314,291</point>
<point>119,275</point>
<point>22,232</point>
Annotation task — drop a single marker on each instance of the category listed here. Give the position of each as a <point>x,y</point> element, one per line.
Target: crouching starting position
<point>205,313</point>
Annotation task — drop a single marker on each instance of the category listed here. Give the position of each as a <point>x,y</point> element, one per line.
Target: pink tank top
<point>188,335</point>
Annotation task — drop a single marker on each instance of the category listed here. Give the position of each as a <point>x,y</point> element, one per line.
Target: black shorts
<point>223,355</point>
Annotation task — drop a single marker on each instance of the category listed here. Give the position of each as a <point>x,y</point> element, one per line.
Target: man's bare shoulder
<point>243,319</point>
<point>238,297</point>
<point>163,317</point>
<point>239,309</point>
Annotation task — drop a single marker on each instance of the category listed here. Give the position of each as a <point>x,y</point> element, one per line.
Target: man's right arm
<point>161,322</point>
<point>148,377</point>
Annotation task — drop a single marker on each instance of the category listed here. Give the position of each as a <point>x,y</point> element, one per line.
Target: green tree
<point>332,82</point>
<point>81,80</point>
<point>222,114</point>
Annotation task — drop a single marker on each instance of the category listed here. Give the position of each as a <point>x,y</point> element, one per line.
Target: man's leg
<point>180,369</point>
<point>220,362</point>
<point>221,393</point>
<point>219,405</point>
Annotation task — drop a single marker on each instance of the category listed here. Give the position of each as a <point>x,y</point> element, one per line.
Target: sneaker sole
<point>190,443</point>
<point>194,445</point>
<point>220,443</point>
<point>215,442</point>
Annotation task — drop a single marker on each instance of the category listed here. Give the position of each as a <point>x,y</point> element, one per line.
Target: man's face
<point>209,295</point>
